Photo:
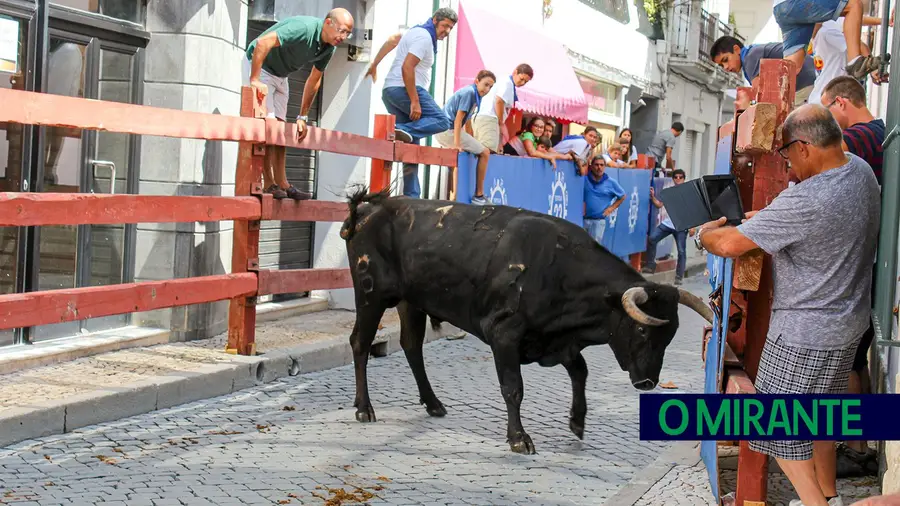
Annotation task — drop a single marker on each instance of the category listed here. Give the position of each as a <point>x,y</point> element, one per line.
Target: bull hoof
<point>577,428</point>
<point>365,415</point>
<point>438,411</point>
<point>522,445</point>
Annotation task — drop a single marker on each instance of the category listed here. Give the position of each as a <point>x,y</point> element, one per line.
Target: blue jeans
<point>595,228</point>
<point>433,121</point>
<point>798,18</point>
<point>660,233</point>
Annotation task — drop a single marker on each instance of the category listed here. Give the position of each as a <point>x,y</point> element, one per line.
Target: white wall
<point>700,111</point>
<point>346,107</point>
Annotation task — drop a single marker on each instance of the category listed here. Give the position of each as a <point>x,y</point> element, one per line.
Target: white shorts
<point>487,132</point>
<point>469,143</point>
<point>277,98</point>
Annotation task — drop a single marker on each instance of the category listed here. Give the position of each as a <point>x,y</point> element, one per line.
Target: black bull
<point>535,288</point>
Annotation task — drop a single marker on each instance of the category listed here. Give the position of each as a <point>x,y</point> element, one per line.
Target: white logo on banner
<point>613,216</point>
<point>559,197</point>
<point>498,193</point>
<point>633,207</point>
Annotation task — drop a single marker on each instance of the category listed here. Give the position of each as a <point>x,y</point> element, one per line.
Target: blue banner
<point>724,417</point>
<point>529,183</point>
<point>665,247</point>
<point>627,227</point>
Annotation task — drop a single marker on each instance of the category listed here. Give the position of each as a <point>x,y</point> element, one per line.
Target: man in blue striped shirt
<point>460,109</point>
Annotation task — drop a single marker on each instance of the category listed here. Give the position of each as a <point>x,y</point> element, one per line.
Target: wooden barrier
<point>761,175</point>
<point>255,134</point>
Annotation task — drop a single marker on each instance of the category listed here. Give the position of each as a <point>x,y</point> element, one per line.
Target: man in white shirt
<point>405,92</point>
<point>830,47</point>
<point>490,123</point>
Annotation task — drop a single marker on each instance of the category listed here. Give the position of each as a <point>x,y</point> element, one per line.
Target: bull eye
<point>642,330</point>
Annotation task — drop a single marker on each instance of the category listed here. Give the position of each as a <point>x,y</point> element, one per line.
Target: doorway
<point>84,58</point>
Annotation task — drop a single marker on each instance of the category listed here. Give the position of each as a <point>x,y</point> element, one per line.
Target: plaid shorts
<point>787,369</point>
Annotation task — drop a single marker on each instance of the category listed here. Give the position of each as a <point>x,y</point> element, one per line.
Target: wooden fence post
<point>245,248</point>
<point>760,182</point>
<point>380,175</point>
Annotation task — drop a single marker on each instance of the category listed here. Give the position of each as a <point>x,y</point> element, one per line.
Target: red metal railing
<point>247,208</point>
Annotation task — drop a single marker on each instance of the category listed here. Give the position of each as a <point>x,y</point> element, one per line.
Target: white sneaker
<point>837,501</point>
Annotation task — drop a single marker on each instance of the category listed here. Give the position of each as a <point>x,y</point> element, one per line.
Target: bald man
<point>820,310</point>
<point>286,47</point>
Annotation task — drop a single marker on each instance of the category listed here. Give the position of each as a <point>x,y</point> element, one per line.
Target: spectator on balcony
<point>550,128</point>
<point>405,92</point>
<point>526,143</point>
<point>544,145</point>
<point>613,157</point>
<point>579,147</point>
<point>626,139</point>
<point>663,144</point>
<point>490,123</point>
<point>863,136</point>
<point>460,109</point>
<point>602,196</point>
<point>821,308</point>
<point>797,20</point>
<point>730,54</point>
<point>665,229</point>
<point>284,48</point>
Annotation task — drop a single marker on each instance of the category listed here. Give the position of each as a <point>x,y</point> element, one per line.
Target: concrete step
<point>61,398</point>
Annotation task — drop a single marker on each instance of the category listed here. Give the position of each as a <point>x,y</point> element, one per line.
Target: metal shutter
<point>288,245</point>
<point>687,151</point>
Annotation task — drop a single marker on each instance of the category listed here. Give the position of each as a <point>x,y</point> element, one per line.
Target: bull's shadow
<point>535,288</point>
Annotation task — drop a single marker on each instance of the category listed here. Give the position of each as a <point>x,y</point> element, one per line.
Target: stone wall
<point>192,64</point>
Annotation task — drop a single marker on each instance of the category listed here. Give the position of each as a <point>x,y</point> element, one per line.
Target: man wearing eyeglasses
<point>665,229</point>
<point>822,294</point>
<point>602,196</point>
<point>284,48</point>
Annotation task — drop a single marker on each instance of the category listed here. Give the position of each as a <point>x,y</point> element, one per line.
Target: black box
<point>702,200</point>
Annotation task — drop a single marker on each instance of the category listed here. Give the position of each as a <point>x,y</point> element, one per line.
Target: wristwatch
<point>697,239</point>
<point>304,119</point>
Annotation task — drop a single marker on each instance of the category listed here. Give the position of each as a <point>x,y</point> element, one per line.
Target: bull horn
<point>696,303</point>
<point>630,300</point>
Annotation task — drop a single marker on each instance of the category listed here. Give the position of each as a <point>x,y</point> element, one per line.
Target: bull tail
<point>356,197</point>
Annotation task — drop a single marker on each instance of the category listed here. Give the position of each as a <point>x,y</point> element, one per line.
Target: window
<point>126,10</point>
<point>616,9</point>
<point>600,96</point>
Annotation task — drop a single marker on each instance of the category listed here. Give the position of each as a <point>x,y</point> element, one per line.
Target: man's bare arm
<point>386,48</point>
<point>263,45</point>
<point>727,242</point>
<point>310,89</point>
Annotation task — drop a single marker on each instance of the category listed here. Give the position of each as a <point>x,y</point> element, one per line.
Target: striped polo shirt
<point>864,140</point>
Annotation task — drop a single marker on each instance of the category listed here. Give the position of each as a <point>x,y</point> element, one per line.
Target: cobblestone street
<point>295,441</point>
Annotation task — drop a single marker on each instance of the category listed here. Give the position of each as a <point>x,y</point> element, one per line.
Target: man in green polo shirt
<point>286,47</point>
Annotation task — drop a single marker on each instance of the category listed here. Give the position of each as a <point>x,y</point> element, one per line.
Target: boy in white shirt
<point>490,123</point>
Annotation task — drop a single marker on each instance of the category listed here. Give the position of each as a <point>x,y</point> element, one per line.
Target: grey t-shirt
<point>822,234</point>
<point>775,51</point>
<point>663,140</point>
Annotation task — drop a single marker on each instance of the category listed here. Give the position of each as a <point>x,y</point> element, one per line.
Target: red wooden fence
<point>247,208</point>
